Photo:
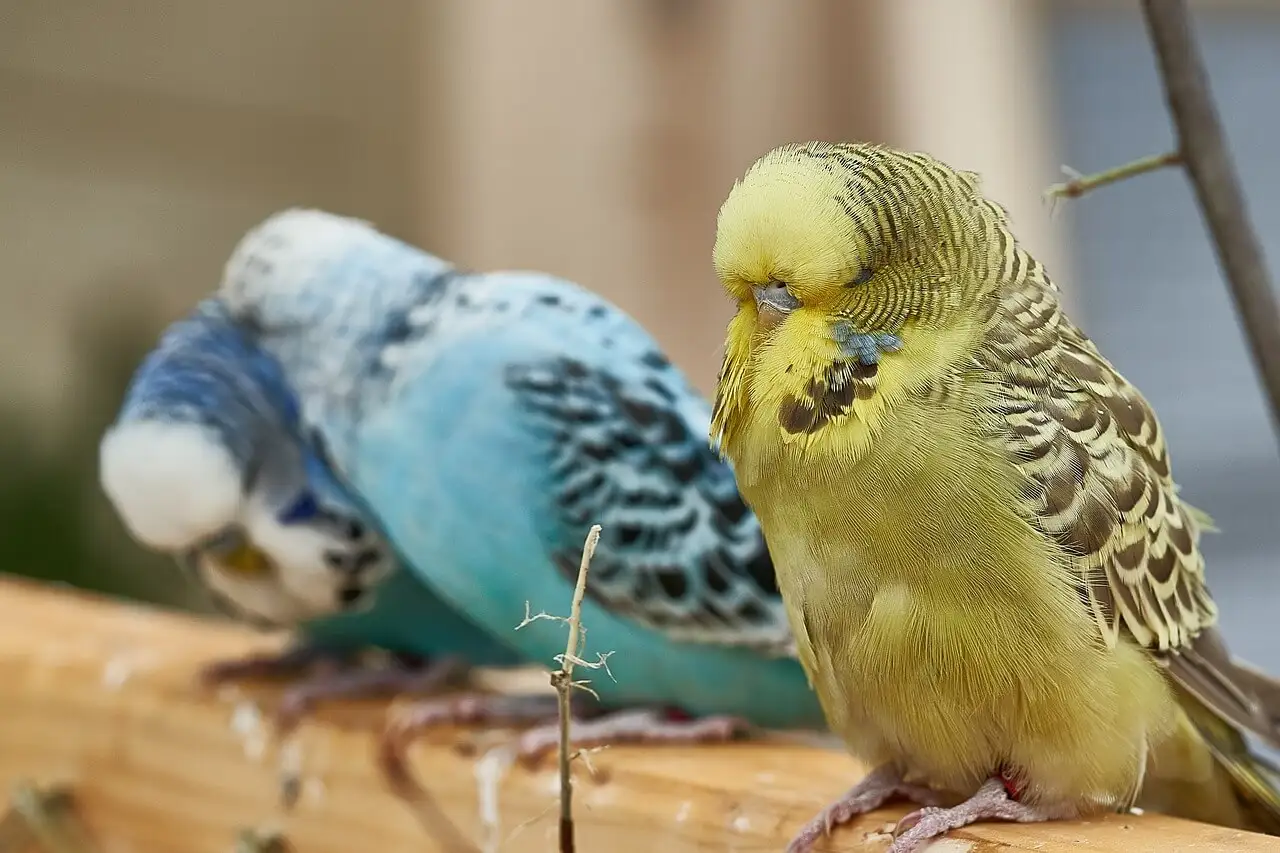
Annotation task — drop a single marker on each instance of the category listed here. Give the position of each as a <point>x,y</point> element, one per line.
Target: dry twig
<point>1081,184</point>
<point>562,681</point>
<point>1202,151</point>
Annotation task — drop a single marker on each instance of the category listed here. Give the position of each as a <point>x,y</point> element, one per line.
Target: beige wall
<point>138,138</point>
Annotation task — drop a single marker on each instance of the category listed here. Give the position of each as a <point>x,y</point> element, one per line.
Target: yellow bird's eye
<point>245,560</point>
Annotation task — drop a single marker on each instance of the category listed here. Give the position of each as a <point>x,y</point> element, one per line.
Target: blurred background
<point>140,138</point>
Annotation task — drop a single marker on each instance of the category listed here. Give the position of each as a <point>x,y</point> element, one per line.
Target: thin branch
<point>1203,146</point>
<point>1082,184</point>
<point>562,680</point>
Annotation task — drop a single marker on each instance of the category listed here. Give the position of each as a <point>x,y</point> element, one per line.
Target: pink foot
<point>405,728</point>
<point>336,677</point>
<point>991,802</point>
<point>299,700</point>
<point>289,662</point>
<point>636,726</point>
<point>633,726</point>
<point>876,788</point>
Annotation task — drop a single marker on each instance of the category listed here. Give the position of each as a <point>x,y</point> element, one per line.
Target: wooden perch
<point>102,696</point>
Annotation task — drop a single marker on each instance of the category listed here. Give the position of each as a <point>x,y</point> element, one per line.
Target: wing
<point>679,550</point>
<point>1098,484</point>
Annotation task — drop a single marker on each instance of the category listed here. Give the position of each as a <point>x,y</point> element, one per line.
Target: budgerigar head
<point>838,257</point>
<point>204,463</point>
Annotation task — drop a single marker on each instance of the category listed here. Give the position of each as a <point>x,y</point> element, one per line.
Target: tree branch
<point>1081,184</point>
<point>1203,147</point>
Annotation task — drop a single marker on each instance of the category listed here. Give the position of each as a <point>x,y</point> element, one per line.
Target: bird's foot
<point>419,677</point>
<point>468,708</point>
<point>991,802</point>
<point>336,676</point>
<point>591,727</point>
<point>289,662</point>
<point>876,788</point>
<point>633,726</point>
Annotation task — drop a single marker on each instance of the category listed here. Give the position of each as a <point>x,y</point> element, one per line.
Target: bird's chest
<point>913,593</point>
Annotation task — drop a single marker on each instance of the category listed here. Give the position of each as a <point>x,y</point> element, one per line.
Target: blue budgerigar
<point>206,461</point>
<point>488,420</point>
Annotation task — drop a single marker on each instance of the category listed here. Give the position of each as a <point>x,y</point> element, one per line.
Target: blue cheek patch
<point>304,508</point>
<point>866,347</point>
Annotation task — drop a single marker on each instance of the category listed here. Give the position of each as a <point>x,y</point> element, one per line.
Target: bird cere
<point>923,512</point>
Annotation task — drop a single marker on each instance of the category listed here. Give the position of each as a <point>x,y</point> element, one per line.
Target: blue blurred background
<point>140,138</point>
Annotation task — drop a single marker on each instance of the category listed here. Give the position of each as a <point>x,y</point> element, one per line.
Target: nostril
<point>366,559</point>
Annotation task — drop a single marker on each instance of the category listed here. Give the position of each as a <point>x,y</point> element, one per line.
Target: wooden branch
<point>103,696</point>
<point>1203,146</point>
<point>1081,184</point>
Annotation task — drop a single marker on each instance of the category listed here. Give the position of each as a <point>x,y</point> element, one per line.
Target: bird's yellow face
<point>836,259</point>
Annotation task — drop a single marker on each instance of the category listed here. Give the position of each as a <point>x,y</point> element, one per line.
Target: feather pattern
<point>1081,597</point>
<point>205,371</point>
<point>489,420</point>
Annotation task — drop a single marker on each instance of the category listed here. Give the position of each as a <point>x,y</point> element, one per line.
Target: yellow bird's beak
<point>773,303</point>
<point>245,560</point>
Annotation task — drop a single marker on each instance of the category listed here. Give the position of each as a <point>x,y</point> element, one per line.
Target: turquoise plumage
<point>205,461</point>
<point>487,420</point>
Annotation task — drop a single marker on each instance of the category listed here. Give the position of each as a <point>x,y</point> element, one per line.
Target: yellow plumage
<point>984,558</point>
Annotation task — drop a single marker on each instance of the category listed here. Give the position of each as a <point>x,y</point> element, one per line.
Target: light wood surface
<point>101,696</point>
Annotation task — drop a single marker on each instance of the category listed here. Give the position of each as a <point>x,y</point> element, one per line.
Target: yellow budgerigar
<point>994,585</point>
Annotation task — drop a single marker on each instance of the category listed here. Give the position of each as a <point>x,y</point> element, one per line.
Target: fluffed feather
<point>977,535</point>
<point>488,420</point>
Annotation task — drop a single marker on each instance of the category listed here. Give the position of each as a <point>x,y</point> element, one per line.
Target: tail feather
<point>1253,777</point>
<point>1225,700</point>
<point>1237,693</point>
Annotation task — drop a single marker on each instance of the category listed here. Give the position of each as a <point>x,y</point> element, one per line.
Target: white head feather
<point>173,484</point>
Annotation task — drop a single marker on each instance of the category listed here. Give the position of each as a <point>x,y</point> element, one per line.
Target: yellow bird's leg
<point>878,787</point>
<point>991,802</point>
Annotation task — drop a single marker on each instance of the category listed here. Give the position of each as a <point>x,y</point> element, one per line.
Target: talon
<point>401,731</point>
<point>990,802</point>
<point>645,726</point>
<point>876,788</point>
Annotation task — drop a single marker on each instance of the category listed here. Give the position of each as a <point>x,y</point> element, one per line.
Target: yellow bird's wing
<point>1098,483</point>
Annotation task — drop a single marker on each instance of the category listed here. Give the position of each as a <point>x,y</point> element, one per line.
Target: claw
<point>876,788</point>
<point>991,802</point>
<point>340,676</point>
<point>636,726</point>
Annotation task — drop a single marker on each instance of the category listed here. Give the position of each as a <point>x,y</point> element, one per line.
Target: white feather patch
<point>171,483</point>
<point>280,255</point>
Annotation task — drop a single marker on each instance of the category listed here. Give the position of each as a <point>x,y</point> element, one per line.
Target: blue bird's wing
<point>679,550</point>
<point>209,383</point>
<point>489,420</point>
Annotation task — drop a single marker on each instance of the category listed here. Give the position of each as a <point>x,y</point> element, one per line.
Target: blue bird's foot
<point>338,675</point>
<point>286,663</point>
<point>593,726</point>
<point>876,788</point>
<point>991,802</point>
<point>643,725</point>
<point>463,709</point>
